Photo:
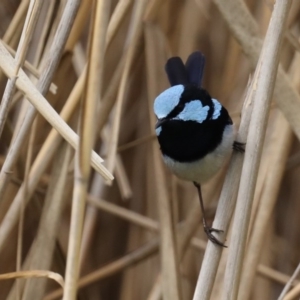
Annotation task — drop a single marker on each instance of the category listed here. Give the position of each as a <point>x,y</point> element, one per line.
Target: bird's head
<point>185,103</point>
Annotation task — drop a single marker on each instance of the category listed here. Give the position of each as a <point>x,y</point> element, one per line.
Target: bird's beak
<point>160,122</point>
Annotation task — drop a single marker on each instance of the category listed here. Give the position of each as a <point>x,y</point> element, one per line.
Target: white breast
<point>203,169</point>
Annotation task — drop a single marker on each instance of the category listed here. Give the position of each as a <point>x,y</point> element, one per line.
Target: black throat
<point>187,141</point>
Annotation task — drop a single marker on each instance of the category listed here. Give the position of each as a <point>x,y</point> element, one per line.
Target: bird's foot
<point>239,147</point>
<point>211,237</point>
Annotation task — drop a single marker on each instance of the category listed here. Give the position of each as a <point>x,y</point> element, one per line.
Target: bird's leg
<point>208,230</point>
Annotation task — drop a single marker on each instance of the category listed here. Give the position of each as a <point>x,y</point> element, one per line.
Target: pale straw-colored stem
<point>280,146</point>
<point>28,29</point>
<point>27,87</point>
<point>44,244</point>
<point>116,266</point>
<point>87,131</point>
<point>289,284</point>
<point>245,29</point>
<point>266,81</point>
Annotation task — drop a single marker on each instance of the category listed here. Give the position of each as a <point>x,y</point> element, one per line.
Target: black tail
<point>176,71</point>
<point>195,68</point>
<point>190,73</point>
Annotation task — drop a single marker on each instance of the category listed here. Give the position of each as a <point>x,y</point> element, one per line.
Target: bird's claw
<point>212,238</point>
<point>239,147</point>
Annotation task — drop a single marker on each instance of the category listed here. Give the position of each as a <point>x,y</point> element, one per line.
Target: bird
<point>195,132</point>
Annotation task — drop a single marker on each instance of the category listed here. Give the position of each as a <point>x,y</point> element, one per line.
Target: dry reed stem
<point>277,161</point>
<point>136,142</point>
<point>293,294</point>
<point>153,225</point>
<point>260,182</point>
<point>122,179</point>
<point>50,114</point>
<point>282,142</point>
<point>42,249</point>
<point>168,252</point>
<point>49,66</point>
<point>39,46</point>
<point>245,29</point>
<point>103,112</point>
<point>91,213</point>
<point>46,153</point>
<point>269,63</point>
<point>34,273</point>
<point>79,23</point>
<point>28,88</point>
<point>116,266</point>
<point>225,77</point>
<point>29,67</point>
<point>185,232</point>
<point>29,26</point>
<point>124,213</point>
<point>16,21</point>
<point>135,31</point>
<point>171,286</point>
<point>156,291</point>
<point>28,162</point>
<point>87,135</point>
<point>226,204</point>
<point>41,104</point>
<point>289,284</point>
<point>117,17</point>
<point>110,96</point>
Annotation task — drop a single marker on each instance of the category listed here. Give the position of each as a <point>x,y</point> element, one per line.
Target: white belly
<point>203,169</point>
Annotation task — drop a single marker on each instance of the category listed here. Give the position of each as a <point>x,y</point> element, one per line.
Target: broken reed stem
<point>269,63</point>
<point>41,104</point>
<point>8,65</point>
<point>29,67</point>
<point>28,29</point>
<point>51,115</point>
<point>87,136</point>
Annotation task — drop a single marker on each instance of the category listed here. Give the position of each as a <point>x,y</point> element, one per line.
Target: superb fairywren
<point>195,131</point>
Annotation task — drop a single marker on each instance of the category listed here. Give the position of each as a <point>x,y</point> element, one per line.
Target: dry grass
<point>86,76</point>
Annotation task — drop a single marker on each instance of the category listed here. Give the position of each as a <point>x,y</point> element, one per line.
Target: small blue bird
<point>195,131</point>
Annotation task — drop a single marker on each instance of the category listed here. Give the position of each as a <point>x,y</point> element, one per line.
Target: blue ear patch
<point>217,109</point>
<point>194,111</point>
<point>167,100</point>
